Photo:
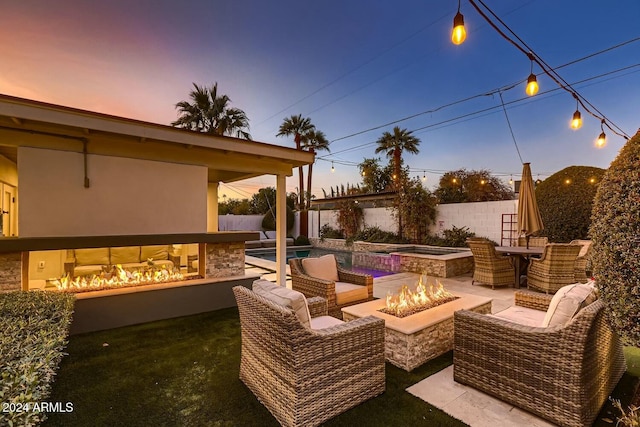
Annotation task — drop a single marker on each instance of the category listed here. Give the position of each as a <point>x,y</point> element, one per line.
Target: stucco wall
<point>126,196</point>
<point>482,218</point>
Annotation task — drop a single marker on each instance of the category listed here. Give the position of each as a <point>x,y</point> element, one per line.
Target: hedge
<point>34,326</point>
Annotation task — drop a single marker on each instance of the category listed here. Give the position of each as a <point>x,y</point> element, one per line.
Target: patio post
<point>281,230</point>
<point>212,207</point>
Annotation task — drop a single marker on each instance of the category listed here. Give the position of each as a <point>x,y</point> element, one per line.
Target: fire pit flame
<point>408,302</point>
<point>117,278</point>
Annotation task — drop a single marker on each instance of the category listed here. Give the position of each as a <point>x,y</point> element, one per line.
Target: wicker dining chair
<point>489,267</point>
<point>350,288</point>
<point>582,270</point>
<point>562,373</point>
<point>533,241</point>
<point>306,376</point>
<point>555,269</point>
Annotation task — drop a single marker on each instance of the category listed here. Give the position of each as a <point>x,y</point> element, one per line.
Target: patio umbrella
<point>529,219</point>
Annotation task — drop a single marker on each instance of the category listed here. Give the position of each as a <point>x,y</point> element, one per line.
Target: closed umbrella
<point>529,219</point>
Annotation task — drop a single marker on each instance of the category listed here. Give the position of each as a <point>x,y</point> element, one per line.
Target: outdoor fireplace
<point>408,302</point>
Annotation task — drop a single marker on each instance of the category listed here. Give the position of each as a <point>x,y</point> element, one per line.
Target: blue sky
<point>349,66</point>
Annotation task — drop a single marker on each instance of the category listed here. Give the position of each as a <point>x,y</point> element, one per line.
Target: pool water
<point>342,257</point>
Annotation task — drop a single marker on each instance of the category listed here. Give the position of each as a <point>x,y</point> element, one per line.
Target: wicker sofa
<point>305,376</point>
<point>563,373</point>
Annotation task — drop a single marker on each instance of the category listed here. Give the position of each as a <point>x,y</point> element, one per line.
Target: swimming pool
<point>344,258</point>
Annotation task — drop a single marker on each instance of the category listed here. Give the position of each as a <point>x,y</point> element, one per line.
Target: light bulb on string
<point>424,176</point>
<point>602,139</point>
<point>511,180</point>
<point>459,33</point>
<point>333,169</point>
<point>532,81</point>
<point>576,121</point>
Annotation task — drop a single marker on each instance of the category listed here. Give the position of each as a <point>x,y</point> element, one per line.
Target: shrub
<point>269,222</point>
<point>455,238</point>
<point>376,235</point>
<point>35,326</point>
<point>565,207</point>
<point>301,240</point>
<point>615,231</point>
<point>328,232</point>
<point>350,216</point>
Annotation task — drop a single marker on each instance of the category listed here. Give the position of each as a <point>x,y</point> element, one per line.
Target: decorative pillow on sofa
<point>323,267</point>
<point>567,302</point>
<point>285,297</point>
<point>94,256</point>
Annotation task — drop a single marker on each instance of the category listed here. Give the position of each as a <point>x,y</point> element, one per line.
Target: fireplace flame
<point>408,302</point>
<point>118,277</point>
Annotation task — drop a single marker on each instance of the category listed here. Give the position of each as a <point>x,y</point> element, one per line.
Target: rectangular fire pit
<point>416,339</point>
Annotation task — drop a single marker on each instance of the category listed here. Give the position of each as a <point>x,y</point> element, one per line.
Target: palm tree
<point>209,113</point>
<point>297,126</point>
<point>393,144</point>
<point>313,141</point>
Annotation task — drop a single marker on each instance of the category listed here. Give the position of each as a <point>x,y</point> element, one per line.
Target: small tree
<point>350,216</point>
<point>415,208</point>
<point>471,186</point>
<point>615,231</point>
<point>565,200</point>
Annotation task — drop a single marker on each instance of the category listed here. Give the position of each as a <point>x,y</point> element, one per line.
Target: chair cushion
<point>348,292</point>
<point>157,252</point>
<point>567,302</point>
<point>322,322</point>
<point>323,267</point>
<point>521,315</point>
<point>285,297</point>
<point>125,255</point>
<point>97,256</point>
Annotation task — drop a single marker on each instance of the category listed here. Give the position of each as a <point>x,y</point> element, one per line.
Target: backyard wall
<point>252,223</point>
<point>126,196</point>
<point>482,218</point>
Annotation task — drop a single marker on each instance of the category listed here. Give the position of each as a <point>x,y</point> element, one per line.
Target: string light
<point>532,81</point>
<point>602,139</point>
<point>576,121</point>
<point>458,34</point>
<point>333,169</point>
<point>511,180</point>
<point>482,182</point>
<point>424,176</point>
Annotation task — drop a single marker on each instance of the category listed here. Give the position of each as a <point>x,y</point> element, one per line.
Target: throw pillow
<point>567,302</point>
<point>323,267</point>
<point>285,297</point>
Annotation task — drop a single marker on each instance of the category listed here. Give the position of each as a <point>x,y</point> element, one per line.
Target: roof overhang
<point>37,124</point>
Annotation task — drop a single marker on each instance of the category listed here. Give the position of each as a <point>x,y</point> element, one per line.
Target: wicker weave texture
<point>583,262</point>
<point>305,377</point>
<point>563,374</point>
<point>489,267</point>
<point>533,241</point>
<point>312,286</point>
<point>555,269</point>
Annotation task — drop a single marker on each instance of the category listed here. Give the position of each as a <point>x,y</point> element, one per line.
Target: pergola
<point>28,123</point>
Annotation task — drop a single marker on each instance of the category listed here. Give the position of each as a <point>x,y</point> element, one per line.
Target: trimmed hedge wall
<point>34,326</point>
<point>615,231</point>
<point>565,200</point>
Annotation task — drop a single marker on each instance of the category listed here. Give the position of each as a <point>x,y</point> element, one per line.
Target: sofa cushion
<point>322,322</point>
<point>125,255</point>
<point>94,256</point>
<point>567,302</point>
<point>156,252</point>
<point>285,297</point>
<point>521,315</point>
<point>323,267</point>
<point>348,292</point>
<point>87,270</point>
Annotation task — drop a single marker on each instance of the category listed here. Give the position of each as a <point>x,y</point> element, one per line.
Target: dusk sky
<point>349,66</point>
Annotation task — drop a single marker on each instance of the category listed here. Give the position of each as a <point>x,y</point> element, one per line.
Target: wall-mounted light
<point>458,34</point>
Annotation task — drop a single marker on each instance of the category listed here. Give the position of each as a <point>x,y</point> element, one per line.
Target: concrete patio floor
<point>464,403</point>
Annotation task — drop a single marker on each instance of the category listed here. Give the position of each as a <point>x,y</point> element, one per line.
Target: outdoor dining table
<point>519,254</point>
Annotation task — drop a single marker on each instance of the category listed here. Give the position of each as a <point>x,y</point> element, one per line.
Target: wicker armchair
<point>312,286</point>
<point>489,267</point>
<point>562,373</point>
<point>303,376</point>
<point>555,269</point>
<point>533,241</point>
<point>582,269</point>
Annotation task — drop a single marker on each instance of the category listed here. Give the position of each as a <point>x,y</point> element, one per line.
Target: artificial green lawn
<point>184,372</point>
